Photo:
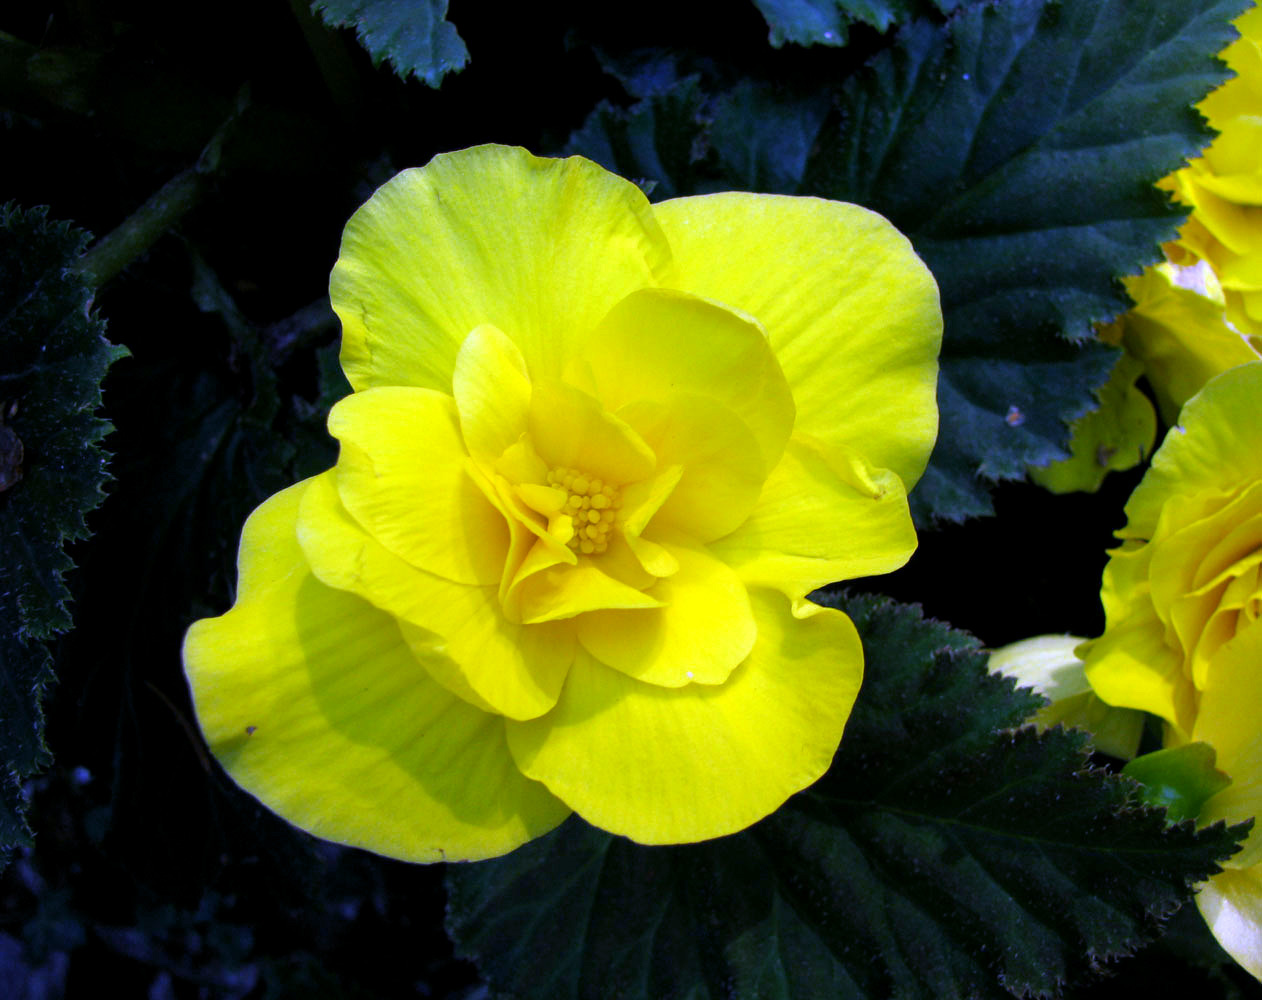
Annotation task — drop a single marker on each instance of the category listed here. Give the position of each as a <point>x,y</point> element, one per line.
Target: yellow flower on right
<point>1183,635</point>
<point>1223,187</point>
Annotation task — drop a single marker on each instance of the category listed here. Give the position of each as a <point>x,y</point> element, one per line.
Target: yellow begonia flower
<point>1047,664</point>
<point>598,453</point>
<point>1183,606</point>
<point>1223,187</point>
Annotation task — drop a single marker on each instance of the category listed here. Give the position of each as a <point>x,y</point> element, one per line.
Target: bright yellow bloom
<point>1223,187</point>
<point>597,455</point>
<point>1183,606</point>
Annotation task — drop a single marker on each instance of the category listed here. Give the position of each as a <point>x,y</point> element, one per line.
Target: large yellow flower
<point>597,455</point>
<point>1223,187</point>
<point>1183,607</point>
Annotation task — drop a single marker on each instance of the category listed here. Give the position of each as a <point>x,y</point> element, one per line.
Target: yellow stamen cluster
<point>592,504</point>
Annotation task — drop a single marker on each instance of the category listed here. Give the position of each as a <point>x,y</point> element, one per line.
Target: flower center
<point>591,504</point>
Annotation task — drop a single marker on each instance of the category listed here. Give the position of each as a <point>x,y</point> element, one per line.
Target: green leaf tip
<point>1178,779</point>
<point>827,22</point>
<point>944,854</point>
<point>53,355</point>
<point>414,36</point>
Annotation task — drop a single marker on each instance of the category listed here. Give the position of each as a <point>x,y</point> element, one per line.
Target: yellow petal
<point>1130,666</point>
<point>492,392</point>
<point>1180,335</point>
<point>676,765</point>
<point>401,472</point>
<point>1231,705</point>
<point>540,248</point>
<point>313,703</point>
<point>1231,903</point>
<point>823,516</point>
<point>851,312</point>
<point>720,462</point>
<point>562,592</point>
<point>1216,447</point>
<point>702,630</point>
<point>459,635</point>
<point>656,343</point>
<point>572,430</point>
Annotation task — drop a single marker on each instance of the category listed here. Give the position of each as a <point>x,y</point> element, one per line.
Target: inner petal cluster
<point>592,506</point>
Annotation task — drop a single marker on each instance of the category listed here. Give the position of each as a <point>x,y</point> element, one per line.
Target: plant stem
<point>140,230</point>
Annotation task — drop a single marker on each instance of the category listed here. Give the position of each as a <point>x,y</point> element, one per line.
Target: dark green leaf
<point>414,35</point>
<point>942,855</point>
<point>763,136</point>
<point>825,22</point>
<point>1017,147</point>
<point>660,143</point>
<point>53,356</point>
<point>692,134</point>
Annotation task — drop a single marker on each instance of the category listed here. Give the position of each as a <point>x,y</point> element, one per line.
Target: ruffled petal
<point>676,765</point>
<point>572,430</point>
<point>823,516</point>
<point>851,312</point>
<point>1231,705</point>
<point>459,634</point>
<point>492,393</point>
<point>703,629</point>
<point>312,702</point>
<point>657,342</point>
<point>1130,666</point>
<point>1216,447</point>
<point>720,463</point>
<point>540,248</point>
<point>401,473</point>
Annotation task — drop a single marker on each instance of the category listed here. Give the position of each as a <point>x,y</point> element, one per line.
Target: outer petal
<point>657,342</point>
<point>1230,709</point>
<point>676,765</point>
<point>540,248</point>
<point>851,312</point>
<point>460,634</point>
<point>1231,904</point>
<point>312,701</point>
<point>823,516</point>
<point>1217,446</point>
<point>1130,666</point>
<point>402,475</point>
<point>704,629</point>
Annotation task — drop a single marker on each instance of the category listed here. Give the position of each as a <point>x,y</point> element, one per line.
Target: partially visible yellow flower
<point>1183,606</point>
<point>1200,312</point>
<point>597,455</point>
<point>1223,187</point>
<point>1179,331</point>
<point>1048,664</point>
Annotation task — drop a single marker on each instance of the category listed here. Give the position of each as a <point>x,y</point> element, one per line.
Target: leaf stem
<point>106,258</point>
<point>140,230</point>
